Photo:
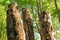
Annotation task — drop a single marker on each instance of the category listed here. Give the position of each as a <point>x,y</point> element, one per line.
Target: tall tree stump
<point>15,29</point>
<point>28,24</point>
<point>46,29</point>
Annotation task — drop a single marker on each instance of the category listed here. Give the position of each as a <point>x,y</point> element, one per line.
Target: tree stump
<point>46,29</point>
<point>28,24</point>
<point>15,30</point>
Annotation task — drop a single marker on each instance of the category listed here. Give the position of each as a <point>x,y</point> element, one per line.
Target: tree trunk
<point>46,28</point>
<point>28,24</point>
<point>15,29</point>
<point>57,11</point>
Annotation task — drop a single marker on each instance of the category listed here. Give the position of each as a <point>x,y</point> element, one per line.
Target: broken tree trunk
<point>15,29</point>
<point>28,24</point>
<point>46,28</point>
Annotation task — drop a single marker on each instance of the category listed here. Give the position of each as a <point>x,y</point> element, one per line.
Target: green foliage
<point>58,35</point>
<point>3,22</point>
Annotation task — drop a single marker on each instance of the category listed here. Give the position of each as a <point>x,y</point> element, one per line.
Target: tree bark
<point>28,24</point>
<point>46,28</point>
<point>15,29</point>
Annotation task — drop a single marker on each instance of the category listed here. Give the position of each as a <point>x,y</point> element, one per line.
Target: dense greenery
<point>49,5</point>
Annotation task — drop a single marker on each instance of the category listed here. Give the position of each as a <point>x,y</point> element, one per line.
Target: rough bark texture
<point>15,29</point>
<point>28,24</point>
<point>46,28</point>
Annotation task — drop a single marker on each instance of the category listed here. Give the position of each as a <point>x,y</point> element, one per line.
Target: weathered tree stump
<point>15,29</point>
<point>46,29</point>
<point>28,24</point>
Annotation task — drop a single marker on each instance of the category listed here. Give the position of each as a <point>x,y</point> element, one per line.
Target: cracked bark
<point>28,24</point>
<point>15,30</point>
<point>46,29</point>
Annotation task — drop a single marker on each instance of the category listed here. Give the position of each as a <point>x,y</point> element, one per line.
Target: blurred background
<point>53,6</point>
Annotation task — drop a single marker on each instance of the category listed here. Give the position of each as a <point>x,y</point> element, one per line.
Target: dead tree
<point>46,28</point>
<point>15,29</point>
<point>28,24</point>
